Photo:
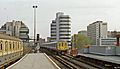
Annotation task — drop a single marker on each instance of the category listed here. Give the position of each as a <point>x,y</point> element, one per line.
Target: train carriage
<point>62,46</point>
<point>11,49</point>
<point>59,46</point>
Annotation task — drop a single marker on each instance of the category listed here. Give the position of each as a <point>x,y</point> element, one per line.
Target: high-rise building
<point>61,28</point>
<point>97,30</point>
<point>17,29</point>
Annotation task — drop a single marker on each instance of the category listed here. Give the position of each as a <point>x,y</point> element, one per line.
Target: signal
<point>37,37</point>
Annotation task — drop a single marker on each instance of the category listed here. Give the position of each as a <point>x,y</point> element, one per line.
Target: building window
<point>65,38</point>
<point>53,28</point>
<point>65,24</point>
<point>8,28</point>
<point>65,34</point>
<point>64,28</point>
<point>64,20</point>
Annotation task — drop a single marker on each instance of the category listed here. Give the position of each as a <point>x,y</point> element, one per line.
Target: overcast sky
<point>82,13</point>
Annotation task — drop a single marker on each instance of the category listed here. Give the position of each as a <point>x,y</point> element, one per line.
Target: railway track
<point>79,61</point>
<point>67,62</point>
<point>85,64</point>
<point>62,63</point>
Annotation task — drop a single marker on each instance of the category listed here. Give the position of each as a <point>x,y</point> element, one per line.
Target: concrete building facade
<point>97,30</point>
<point>61,28</point>
<point>17,29</point>
<point>107,41</point>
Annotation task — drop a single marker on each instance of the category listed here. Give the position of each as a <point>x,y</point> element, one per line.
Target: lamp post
<point>34,7</point>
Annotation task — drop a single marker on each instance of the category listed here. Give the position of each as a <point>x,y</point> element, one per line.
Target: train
<point>11,49</point>
<point>58,46</point>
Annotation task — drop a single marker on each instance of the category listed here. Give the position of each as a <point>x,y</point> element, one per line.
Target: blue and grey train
<point>58,46</point>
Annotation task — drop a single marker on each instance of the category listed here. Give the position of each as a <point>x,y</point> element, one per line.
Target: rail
<point>67,61</point>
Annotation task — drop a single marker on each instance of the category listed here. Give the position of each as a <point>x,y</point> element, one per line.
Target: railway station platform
<point>113,59</point>
<point>34,61</point>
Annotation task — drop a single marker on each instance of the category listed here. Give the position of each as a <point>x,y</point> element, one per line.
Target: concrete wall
<point>102,50</point>
<point>117,50</point>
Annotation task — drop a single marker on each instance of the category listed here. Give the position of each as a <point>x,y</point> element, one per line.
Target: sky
<point>82,13</point>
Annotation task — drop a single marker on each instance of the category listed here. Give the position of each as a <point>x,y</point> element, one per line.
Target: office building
<point>97,30</point>
<point>61,28</point>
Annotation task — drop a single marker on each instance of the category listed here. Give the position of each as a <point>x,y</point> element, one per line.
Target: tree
<point>79,41</point>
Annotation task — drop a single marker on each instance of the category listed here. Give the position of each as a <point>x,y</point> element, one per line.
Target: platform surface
<point>34,61</point>
<point>113,59</point>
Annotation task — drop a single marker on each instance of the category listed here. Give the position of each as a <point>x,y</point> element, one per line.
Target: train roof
<point>50,43</point>
<point>53,42</point>
<point>5,36</point>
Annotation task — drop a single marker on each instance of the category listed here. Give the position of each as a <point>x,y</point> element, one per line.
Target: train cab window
<point>65,44</point>
<point>62,43</point>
